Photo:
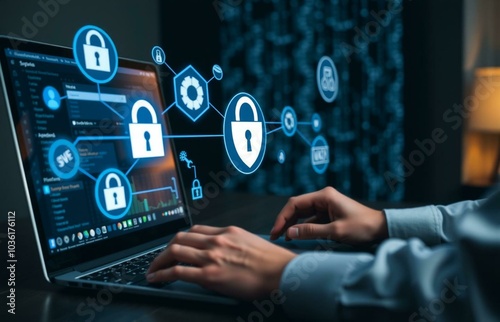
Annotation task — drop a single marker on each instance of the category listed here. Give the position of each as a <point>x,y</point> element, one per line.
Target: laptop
<point>99,214</point>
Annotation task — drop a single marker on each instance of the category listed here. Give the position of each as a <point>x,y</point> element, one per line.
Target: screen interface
<point>99,159</point>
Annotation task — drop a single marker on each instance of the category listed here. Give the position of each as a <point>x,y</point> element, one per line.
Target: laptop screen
<point>90,192</point>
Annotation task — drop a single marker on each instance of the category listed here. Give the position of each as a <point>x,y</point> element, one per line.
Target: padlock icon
<point>158,58</point>
<point>196,191</point>
<point>114,196</point>
<point>146,138</point>
<point>96,58</point>
<point>247,136</point>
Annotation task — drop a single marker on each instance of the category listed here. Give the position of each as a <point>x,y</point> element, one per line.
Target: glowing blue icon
<point>281,156</point>
<point>327,79</point>
<point>95,54</point>
<point>320,154</point>
<point>146,138</point>
<point>46,190</point>
<point>51,98</point>
<point>217,71</point>
<point>52,243</point>
<point>158,55</point>
<point>191,93</point>
<point>183,157</point>
<point>114,197</point>
<point>196,190</point>
<point>289,121</point>
<point>64,159</point>
<point>113,194</point>
<point>316,122</point>
<point>245,141</point>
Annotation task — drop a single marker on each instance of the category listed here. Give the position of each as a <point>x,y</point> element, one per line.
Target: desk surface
<point>37,300</point>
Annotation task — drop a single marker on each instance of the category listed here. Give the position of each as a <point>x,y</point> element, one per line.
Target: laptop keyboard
<point>130,272</point>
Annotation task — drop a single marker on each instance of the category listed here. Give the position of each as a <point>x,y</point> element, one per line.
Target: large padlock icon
<point>196,190</point>
<point>114,196</point>
<point>247,136</point>
<point>96,58</point>
<point>146,138</point>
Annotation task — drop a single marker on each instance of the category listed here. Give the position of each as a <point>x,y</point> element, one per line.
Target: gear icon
<point>183,156</point>
<point>289,121</point>
<point>192,104</point>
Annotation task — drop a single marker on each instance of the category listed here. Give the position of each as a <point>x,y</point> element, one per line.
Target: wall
<point>133,25</point>
<point>433,45</point>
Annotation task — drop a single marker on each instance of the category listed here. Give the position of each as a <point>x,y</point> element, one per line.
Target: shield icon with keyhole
<point>245,133</point>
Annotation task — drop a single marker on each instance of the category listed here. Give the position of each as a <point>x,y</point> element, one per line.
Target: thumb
<point>309,231</point>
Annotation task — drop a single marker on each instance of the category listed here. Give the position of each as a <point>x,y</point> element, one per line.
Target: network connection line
<point>131,167</point>
<point>165,63</point>
<point>304,138</point>
<point>87,174</point>
<point>274,130</point>
<point>216,109</point>
<point>112,109</point>
<point>192,136</point>
<point>169,107</point>
<point>100,138</point>
<point>210,79</point>
<point>175,187</point>
<point>273,122</point>
<point>155,190</point>
<point>304,123</point>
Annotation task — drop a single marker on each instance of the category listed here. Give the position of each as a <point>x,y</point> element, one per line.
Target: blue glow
<point>274,49</point>
<point>289,121</point>
<point>51,98</point>
<point>244,162</point>
<point>81,48</point>
<point>196,190</point>
<point>64,159</point>
<point>171,189</point>
<point>320,147</point>
<point>327,79</point>
<point>158,55</point>
<point>217,71</point>
<point>316,122</point>
<point>191,93</point>
<point>99,193</point>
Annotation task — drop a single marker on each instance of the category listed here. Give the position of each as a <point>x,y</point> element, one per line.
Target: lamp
<point>485,118</point>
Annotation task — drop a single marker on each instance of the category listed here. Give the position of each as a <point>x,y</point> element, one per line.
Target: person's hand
<point>330,215</point>
<point>228,260</point>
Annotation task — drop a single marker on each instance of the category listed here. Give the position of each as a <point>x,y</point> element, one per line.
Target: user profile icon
<point>51,98</point>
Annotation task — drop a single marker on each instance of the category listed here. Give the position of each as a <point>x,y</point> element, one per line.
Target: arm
<point>404,280</point>
<point>431,224</point>
<point>330,214</point>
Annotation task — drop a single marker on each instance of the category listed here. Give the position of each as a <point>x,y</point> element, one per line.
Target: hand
<point>330,215</point>
<point>228,260</point>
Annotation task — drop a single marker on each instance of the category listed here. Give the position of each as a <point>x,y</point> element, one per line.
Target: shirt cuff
<point>311,284</point>
<point>422,222</point>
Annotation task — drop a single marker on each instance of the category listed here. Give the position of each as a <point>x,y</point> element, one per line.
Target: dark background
<point>189,32</point>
